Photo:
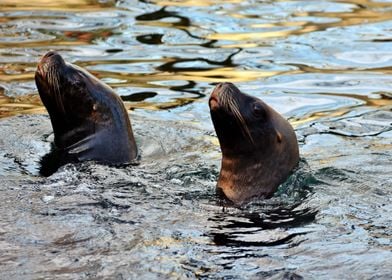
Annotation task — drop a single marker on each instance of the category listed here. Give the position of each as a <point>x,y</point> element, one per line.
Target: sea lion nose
<point>219,89</point>
<point>52,57</point>
<point>49,54</point>
<point>221,86</point>
<point>48,60</point>
<point>224,86</point>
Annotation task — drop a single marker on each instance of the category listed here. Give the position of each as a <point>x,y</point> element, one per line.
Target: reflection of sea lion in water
<point>259,147</point>
<point>89,120</point>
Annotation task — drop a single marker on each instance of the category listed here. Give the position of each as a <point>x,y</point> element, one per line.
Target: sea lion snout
<point>49,60</point>
<point>49,54</point>
<point>213,102</point>
<point>221,88</point>
<point>224,85</point>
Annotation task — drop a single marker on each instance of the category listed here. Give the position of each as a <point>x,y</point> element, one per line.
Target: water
<point>324,65</point>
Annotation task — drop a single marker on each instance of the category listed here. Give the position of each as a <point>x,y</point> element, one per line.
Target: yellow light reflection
<point>194,3</point>
<point>247,35</point>
<point>28,104</point>
<point>319,115</point>
<point>68,5</point>
<point>372,13</point>
<point>231,74</point>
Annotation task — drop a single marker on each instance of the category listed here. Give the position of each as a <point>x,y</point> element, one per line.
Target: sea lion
<point>259,147</point>
<point>89,120</point>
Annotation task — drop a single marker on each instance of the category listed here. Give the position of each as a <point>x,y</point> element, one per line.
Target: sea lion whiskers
<point>229,102</point>
<point>54,84</point>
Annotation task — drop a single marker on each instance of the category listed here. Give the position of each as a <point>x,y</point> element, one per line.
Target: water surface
<point>325,65</point>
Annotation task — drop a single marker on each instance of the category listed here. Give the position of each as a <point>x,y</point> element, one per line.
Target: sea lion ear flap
<point>279,136</point>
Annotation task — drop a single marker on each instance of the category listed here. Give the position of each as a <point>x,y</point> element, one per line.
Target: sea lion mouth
<point>40,71</point>
<point>213,102</point>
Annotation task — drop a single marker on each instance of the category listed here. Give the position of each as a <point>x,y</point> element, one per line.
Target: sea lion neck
<point>238,162</point>
<point>241,178</point>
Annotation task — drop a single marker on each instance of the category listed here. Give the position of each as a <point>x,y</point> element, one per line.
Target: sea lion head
<point>66,89</point>
<point>239,118</point>
<point>89,120</point>
<point>259,147</point>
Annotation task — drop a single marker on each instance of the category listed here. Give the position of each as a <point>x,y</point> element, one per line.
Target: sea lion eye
<point>258,110</point>
<point>78,83</point>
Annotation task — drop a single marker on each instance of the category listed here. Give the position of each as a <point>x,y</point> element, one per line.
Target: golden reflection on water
<point>54,5</point>
<point>222,74</point>
<point>318,115</point>
<point>31,104</point>
<point>303,27</point>
<point>159,106</point>
<point>27,104</point>
<point>194,3</point>
<point>377,103</point>
<point>16,77</point>
<point>256,35</point>
<point>225,74</point>
<point>37,43</point>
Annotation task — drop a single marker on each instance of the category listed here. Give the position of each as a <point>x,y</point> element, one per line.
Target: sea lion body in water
<point>259,146</point>
<point>89,120</point>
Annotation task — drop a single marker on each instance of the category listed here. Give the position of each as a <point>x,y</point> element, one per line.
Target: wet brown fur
<point>259,147</point>
<point>89,120</point>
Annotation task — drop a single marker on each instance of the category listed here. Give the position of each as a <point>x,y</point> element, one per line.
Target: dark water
<point>325,65</point>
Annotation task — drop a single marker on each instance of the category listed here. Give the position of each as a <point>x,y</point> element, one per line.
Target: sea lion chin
<point>259,147</point>
<point>89,120</point>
